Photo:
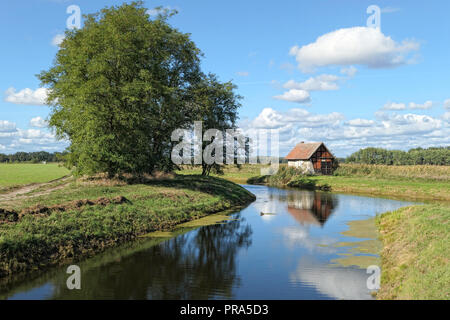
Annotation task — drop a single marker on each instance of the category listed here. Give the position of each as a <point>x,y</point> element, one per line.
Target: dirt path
<point>22,192</point>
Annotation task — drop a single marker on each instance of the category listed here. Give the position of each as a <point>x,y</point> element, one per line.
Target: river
<point>288,244</point>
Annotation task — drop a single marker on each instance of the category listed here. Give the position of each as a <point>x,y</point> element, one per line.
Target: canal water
<point>288,244</point>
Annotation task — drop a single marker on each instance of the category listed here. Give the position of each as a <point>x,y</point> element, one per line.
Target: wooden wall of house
<point>322,161</point>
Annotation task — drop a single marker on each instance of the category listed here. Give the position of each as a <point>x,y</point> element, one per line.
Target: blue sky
<point>311,69</point>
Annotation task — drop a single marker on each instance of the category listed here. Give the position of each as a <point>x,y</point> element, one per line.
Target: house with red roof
<point>311,158</point>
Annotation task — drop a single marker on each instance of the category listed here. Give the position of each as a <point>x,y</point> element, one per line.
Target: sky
<point>313,70</point>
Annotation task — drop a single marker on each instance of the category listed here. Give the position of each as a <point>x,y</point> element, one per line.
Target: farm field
<point>17,174</point>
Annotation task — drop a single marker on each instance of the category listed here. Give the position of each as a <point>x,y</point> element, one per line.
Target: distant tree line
<point>33,157</point>
<point>417,156</point>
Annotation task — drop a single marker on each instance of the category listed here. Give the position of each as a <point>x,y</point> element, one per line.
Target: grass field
<point>416,253</point>
<point>16,174</point>
<point>88,216</point>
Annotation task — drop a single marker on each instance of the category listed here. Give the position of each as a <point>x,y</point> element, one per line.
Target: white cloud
<point>350,71</point>
<point>397,106</point>
<point>295,95</point>
<point>26,96</point>
<point>388,130</point>
<point>446,116</point>
<point>268,119</point>
<point>38,122</point>
<point>6,126</point>
<point>299,236</point>
<point>394,106</point>
<point>426,105</point>
<point>322,82</point>
<point>447,104</point>
<point>360,123</point>
<point>30,140</point>
<point>335,282</point>
<point>243,73</point>
<point>58,39</point>
<point>272,119</point>
<point>354,46</point>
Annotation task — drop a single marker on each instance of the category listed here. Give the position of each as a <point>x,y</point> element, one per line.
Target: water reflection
<point>311,208</point>
<point>194,265</point>
<point>286,254</point>
<point>335,282</point>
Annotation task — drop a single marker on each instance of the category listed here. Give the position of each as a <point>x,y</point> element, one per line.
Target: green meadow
<point>16,174</point>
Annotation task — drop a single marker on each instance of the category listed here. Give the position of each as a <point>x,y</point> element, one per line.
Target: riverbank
<point>416,251</point>
<point>88,216</point>
<point>406,182</point>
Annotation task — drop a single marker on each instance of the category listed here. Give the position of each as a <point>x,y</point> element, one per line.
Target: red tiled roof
<point>303,151</point>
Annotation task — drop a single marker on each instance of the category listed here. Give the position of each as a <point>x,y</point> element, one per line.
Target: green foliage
<point>288,177</point>
<point>33,157</point>
<point>118,87</point>
<point>257,180</point>
<point>217,105</point>
<point>303,182</point>
<point>418,156</point>
<point>283,176</point>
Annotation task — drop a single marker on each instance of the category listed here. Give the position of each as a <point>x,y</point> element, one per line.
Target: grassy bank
<point>408,182</point>
<point>416,251</point>
<point>230,172</point>
<point>89,216</point>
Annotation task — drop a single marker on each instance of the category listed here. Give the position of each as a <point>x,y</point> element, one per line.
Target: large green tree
<point>217,104</point>
<point>118,87</point>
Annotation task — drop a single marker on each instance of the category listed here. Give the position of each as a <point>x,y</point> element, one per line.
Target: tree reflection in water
<point>196,265</point>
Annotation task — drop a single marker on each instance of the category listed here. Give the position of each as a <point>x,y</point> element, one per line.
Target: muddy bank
<point>10,216</point>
